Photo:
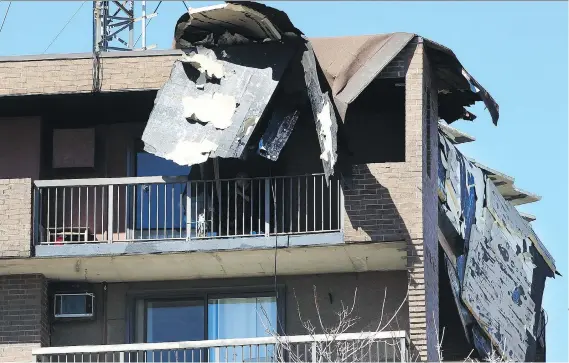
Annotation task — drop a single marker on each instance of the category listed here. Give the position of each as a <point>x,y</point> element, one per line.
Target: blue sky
<point>517,50</point>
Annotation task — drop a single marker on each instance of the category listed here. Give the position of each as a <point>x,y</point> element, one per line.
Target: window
<point>172,321</point>
<point>206,317</point>
<point>222,317</point>
<point>241,317</point>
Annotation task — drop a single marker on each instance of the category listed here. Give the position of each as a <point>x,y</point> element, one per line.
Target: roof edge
<point>88,55</point>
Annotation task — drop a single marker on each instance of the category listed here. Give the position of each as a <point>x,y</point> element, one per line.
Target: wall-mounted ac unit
<point>74,305</point>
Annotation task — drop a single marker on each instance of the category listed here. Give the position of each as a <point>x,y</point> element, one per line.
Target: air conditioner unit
<point>74,305</point>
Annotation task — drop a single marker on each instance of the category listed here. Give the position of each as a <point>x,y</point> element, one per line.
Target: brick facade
<point>383,203</point>
<point>430,212</point>
<point>397,201</point>
<point>23,317</point>
<point>391,201</point>
<point>133,71</point>
<point>15,217</point>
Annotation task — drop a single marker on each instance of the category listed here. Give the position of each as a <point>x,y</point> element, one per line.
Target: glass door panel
<point>160,208</point>
<point>230,318</point>
<point>175,321</point>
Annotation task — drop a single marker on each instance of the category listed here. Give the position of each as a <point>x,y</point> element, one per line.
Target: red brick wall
<point>23,317</point>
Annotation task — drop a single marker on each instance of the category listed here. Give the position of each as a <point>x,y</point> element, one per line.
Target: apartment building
<point>117,245</point>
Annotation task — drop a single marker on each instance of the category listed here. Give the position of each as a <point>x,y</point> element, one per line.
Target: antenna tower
<point>113,25</point>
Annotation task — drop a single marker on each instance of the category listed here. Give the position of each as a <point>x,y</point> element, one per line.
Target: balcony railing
<point>110,210</point>
<point>347,347</point>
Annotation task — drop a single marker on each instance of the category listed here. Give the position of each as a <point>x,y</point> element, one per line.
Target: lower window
<point>207,318</point>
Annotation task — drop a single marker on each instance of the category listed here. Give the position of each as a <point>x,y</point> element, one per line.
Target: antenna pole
<point>114,23</point>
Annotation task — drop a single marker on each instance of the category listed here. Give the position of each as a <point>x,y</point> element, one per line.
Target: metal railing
<point>174,208</point>
<point>347,347</point>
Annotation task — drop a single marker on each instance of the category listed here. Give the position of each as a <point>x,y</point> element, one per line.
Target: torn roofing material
<point>505,185</point>
<point>459,177</point>
<point>227,87</point>
<point>456,85</point>
<point>502,280</point>
<point>239,52</point>
<point>503,182</point>
<point>528,217</point>
<point>350,64</point>
<point>251,20</point>
<point>251,82</point>
<point>454,135</point>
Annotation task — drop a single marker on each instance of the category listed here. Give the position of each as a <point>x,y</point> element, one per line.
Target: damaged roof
<point>496,263</point>
<point>351,63</point>
<point>505,185</point>
<point>247,71</point>
<point>454,135</point>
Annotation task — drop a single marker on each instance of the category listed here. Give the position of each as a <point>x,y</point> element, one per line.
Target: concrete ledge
<point>66,56</point>
<point>198,245</point>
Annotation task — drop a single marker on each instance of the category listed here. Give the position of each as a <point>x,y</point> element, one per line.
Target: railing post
<point>403,348</point>
<point>342,210</point>
<point>188,210</point>
<point>314,358</point>
<point>121,357</point>
<point>110,214</point>
<point>37,211</point>
<point>267,206</point>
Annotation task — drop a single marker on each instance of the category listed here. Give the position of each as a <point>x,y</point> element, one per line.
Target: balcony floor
<point>217,262</point>
<point>196,245</point>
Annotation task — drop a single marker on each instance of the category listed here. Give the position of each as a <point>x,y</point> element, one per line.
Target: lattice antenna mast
<point>113,26</point>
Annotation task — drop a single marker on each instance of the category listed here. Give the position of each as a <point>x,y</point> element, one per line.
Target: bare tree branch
<point>329,346</point>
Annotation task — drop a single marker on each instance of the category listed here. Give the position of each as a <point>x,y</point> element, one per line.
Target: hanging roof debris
<point>350,64</point>
<point>506,187</point>
<point>528,217</point>
<point>247,65</point>
<point>454,135</point>
<point>496,263</point>
<point>503,182</point>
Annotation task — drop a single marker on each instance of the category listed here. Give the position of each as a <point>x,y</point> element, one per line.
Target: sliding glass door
<point>174,320</point>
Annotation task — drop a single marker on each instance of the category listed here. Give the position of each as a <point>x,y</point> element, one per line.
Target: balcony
<point>347,347</point>
<point>104,229</point>
<point>111,215</point>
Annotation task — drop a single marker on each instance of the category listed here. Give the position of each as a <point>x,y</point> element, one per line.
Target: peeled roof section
<point>351,63</point>
<point>454,135</point>
<point>505,185</point>
<point>266,72</point>
<point>247,71</point>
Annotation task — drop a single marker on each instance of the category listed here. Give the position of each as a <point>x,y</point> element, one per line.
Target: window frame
<point>204,294</point>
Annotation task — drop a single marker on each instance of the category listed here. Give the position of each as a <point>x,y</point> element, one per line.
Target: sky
<point>516,50</point>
